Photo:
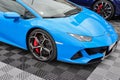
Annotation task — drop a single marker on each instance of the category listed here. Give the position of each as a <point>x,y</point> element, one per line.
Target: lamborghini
<point>57,30</point>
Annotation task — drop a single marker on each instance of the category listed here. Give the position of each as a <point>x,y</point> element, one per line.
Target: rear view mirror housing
<point>12,15</point>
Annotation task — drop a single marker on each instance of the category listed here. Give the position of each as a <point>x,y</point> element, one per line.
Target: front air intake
<point>92,51</point>
<point>77,55</point>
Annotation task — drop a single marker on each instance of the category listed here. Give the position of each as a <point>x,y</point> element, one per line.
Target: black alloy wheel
<point>41,45</point>
<point>105,8</point>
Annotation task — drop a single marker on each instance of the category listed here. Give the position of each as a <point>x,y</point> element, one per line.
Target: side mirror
<point>12,15</point>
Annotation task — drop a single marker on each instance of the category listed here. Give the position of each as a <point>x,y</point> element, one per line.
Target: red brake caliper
<point>36,44</point>
<point>99,8</point>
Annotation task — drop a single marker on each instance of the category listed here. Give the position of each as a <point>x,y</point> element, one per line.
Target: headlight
<point>81,38</point>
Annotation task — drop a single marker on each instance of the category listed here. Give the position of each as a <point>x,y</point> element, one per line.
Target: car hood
<point>85,23</point>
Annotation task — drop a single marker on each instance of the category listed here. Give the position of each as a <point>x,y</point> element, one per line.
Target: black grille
<point>76,56</point>
<point>92,51</point>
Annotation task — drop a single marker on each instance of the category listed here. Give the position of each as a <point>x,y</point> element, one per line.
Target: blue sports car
<point>106,8</point>
<point>56,30</point>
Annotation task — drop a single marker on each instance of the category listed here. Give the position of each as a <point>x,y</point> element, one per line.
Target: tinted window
<point>11,6</point>
<point>53,8</point>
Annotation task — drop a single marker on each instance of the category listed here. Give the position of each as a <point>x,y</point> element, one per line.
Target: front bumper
<point>92,55</point>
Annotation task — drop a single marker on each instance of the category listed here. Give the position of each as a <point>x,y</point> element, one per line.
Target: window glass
<point>13,6</point>
<point>52,8</point>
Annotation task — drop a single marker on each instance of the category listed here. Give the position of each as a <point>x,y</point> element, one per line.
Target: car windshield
<point>53,8</point>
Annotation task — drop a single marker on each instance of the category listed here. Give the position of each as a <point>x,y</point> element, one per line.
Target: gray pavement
<point>8,72</point>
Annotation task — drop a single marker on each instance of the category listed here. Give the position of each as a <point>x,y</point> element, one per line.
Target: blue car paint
<point>89,3</point>
<point>85,23</point>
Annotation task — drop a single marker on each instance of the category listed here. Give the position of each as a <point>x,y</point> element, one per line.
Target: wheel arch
<point>30,30</point>
<point>34,28</point>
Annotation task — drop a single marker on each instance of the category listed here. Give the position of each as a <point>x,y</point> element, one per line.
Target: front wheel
<point>41,45</point>
<point>105,8</point>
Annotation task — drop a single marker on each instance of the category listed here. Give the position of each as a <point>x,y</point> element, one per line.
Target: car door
<point>12,31</point>
<point>82,2</point>
<point>118,2</point>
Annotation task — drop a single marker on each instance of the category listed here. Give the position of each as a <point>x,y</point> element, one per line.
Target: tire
<point>41,45</point>
<point>105,8</point>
